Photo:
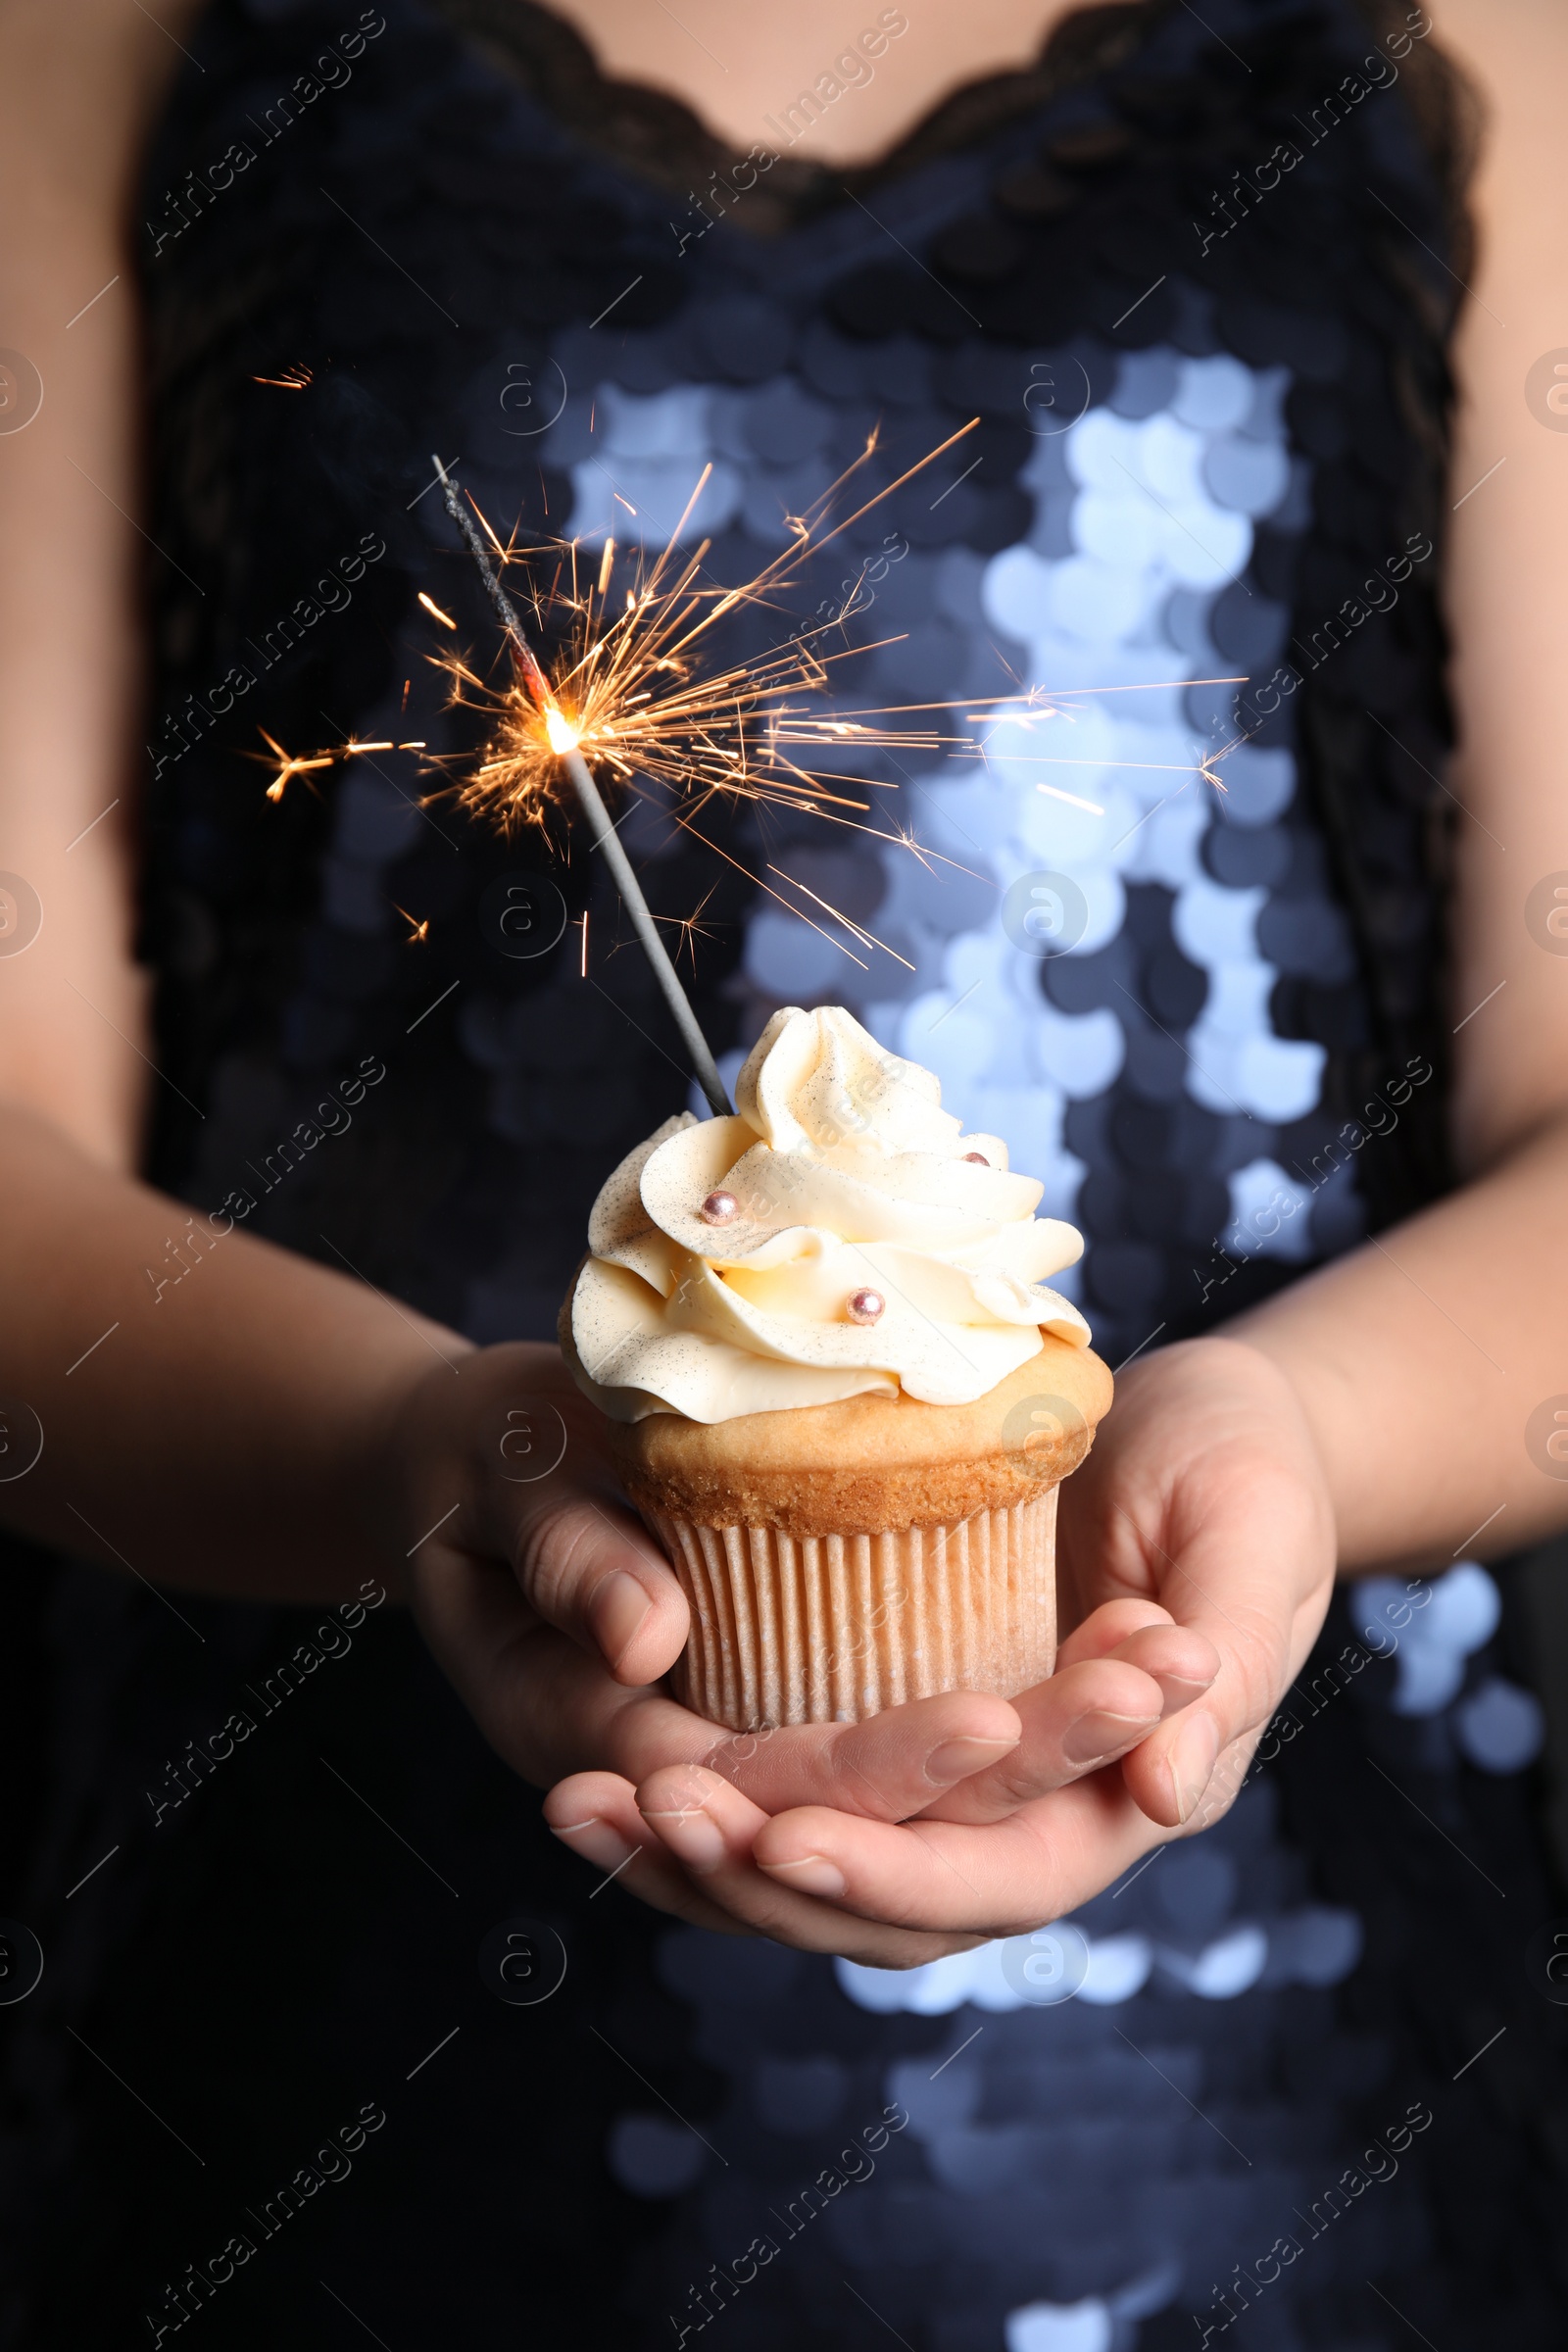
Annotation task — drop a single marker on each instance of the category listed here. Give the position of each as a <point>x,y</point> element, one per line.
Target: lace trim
<point>1445,109</point>
<point>667,143</point>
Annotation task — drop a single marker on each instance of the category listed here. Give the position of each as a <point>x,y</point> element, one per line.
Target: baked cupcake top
<point>838,1237</point>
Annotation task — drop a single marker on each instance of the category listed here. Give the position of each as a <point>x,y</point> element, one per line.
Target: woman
<point>318,319</point>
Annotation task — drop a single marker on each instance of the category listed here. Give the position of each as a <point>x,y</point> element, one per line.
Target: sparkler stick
<point>559,729</point>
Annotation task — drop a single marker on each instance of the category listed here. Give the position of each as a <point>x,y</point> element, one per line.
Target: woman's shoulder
<point>82,82</point>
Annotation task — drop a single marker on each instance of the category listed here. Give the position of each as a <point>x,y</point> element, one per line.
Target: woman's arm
<point>79,83</point>
<point>1426,1364</point>
<point>211,1431</point>
<point>256,1358</point>
<point>216,1428</point>
<point>1422,1360</point>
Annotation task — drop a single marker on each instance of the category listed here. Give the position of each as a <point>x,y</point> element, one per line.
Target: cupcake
<point>838,1391</point>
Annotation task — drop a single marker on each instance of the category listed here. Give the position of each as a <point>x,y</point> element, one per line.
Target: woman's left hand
<point>1200,1531</point>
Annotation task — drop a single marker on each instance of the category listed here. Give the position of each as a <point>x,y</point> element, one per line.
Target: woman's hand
<point>1202,1513</point>
<point>554,1614</point>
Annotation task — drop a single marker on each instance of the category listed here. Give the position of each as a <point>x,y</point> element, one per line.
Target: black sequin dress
<point>1195,280</point>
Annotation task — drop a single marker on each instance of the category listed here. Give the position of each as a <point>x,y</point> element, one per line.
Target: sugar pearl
<point>866,1306</point>
<point>979,1159</point>
<point>719,1208</point>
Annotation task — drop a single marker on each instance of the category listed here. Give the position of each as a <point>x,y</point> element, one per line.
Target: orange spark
<point>287,765</point>
<point>445,619</point>
<point>654,707</point>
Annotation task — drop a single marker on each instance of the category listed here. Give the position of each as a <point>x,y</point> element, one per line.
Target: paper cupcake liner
<point>830,1628</point>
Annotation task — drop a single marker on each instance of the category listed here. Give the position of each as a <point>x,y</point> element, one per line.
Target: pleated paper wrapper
<point>830,1628</point>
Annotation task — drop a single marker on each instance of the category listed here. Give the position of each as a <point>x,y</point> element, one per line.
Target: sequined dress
<point>1178,939</point>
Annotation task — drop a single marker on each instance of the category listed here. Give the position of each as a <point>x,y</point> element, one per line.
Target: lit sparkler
<point>631,693</point>
<point>635,692</point>
<point>640,691</point>
<point>532,696</point>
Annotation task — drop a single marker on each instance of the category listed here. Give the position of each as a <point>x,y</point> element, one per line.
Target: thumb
<point>588,1568</point>
<point>1255,1579</point>
<point>539,1515</point>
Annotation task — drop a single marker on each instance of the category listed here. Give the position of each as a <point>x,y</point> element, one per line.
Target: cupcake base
<point>833,1628</point>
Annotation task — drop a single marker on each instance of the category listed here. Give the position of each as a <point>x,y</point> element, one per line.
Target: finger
<point>710,1827</point>
<point>546,1706</point>
<point>1106,1628</point>
<point>1181,1660</point>
<point>888,1767</point>
<point>1001,1879</point>
<point>595,1816</point>
<point>1072,1724</point>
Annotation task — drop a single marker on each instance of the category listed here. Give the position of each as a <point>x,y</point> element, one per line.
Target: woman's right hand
<point>555,1616</point>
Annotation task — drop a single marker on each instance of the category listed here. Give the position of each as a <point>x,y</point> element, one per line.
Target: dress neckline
<point>664,140</point>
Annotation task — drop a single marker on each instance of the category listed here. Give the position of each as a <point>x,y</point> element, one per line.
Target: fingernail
<point>813,1874</point>
<point>1191,1763</point>
<point>600,1843</point>
<point>692,1835</point>
<point>1179,1690</point>
<point>1186,1682</point>
<point>619,1605</point>
<point>955,1759</point>
<point>1095,1737</point>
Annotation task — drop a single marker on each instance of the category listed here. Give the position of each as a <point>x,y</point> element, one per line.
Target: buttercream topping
<point>849,1178</point>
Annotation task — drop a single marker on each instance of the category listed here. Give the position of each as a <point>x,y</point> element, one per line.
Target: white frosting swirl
<point>849,1175</point>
